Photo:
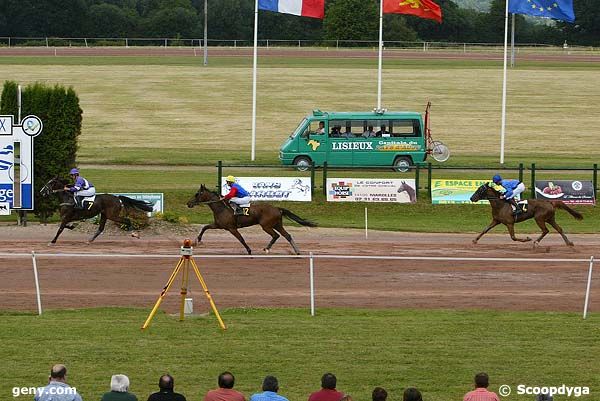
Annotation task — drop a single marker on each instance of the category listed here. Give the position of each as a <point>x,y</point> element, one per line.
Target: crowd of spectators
<point>57,389</point>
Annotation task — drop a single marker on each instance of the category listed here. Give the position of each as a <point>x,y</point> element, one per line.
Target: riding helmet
<point>230,178</point>
<point>496,179</point>
<point>74,171</point>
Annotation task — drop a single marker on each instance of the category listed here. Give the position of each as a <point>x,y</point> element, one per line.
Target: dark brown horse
<point>107,206</point>
<point>269,217</point>
<point>541,210</point>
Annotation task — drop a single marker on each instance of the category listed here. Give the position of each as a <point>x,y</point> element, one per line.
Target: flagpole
<point>380,55</point>
<point>512,40</point>
<point>503,128</point>
<point>253,153</point>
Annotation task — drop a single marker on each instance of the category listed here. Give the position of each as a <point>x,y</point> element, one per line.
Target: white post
<point>312,284</point>
<point>503,127</point>
<point>19,103</point>
<point>205,32</point>
<point>37,283</point>
<point>380,54</point>
<point>85,40</point>
<point>253,151</point>
<point>512,41</point>
<point>589,285</point>
<point>366,224</point>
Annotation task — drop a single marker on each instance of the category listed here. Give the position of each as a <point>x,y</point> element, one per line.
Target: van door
<point>313,141</point>
<point>340,144</point>
<point>370,152</point>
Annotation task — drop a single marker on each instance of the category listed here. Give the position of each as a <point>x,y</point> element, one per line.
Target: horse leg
<point>100,228</point>
<point>60,230</point>
<point>206,227</point>
<point>237,235</point>
<point>274,237</point>
<point>288,237</point>
<point>558,228</point>
<point>542,225</point>
<point>493,224</point>
<point>511,231</point>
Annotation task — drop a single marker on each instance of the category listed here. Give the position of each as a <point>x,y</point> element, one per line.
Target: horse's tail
<point>135,203</point>
<point>561,205</point>
<point>296,218</point>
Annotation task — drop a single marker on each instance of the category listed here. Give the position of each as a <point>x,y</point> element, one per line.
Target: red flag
<point>420,8</point>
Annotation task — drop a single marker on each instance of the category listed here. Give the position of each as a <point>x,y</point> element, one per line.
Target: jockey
<point>81,188</point>
<point>513,188</point>
<point>237,195</point>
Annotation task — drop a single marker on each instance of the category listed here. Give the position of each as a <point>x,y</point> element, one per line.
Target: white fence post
<point>311,265</point>
<point>589,285</point>
<point>366,224</point>
<point>37,283</point>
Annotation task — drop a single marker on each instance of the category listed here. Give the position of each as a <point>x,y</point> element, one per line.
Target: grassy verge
<point>436,351</point>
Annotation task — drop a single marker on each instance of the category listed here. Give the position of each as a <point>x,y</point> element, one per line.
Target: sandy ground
<point>83,281</point>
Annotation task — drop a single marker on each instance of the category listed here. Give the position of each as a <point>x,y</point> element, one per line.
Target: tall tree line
<point>233,19</point>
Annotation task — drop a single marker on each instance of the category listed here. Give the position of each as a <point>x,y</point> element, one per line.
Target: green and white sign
<point>455,191</point>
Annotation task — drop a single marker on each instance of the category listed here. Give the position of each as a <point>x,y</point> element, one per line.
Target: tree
<point>586,29</point>
<point>108,20</point>
<point>351,20</point>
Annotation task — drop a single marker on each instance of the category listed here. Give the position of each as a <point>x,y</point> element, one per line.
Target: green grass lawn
<point>437,351</point>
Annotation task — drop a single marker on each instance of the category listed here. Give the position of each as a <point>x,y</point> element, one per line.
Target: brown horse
<point>269,217</point>
<point>541,210</point>
<point>106,205</point>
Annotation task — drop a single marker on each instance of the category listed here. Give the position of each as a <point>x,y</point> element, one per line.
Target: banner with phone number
<point>573,192</point>
<point>444,192</point>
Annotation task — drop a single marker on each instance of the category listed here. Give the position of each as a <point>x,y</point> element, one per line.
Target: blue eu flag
<point>556,9</point>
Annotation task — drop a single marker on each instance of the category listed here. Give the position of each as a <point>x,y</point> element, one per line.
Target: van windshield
<point>298,128</point>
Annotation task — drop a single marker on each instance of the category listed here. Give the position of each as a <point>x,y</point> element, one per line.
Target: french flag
<point>304,8</point>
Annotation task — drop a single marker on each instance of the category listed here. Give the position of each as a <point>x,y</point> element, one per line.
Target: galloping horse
<point>541,210</point>
<point>269,217</point>
<point>107,205</point>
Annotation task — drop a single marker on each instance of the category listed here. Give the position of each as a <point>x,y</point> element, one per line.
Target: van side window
<point>383,129</point>
<point>317,127</point>
<point>405,128</point>
<point>336,128</point>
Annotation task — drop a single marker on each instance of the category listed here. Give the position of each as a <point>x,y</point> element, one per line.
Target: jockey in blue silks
<point>513,188</point>
<point>82,188</point>
<point>237,195</point>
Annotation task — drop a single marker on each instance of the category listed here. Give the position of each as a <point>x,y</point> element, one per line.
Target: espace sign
<point>16,161</point>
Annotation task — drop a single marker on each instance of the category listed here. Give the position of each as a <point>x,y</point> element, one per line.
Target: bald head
<point>58,372</point>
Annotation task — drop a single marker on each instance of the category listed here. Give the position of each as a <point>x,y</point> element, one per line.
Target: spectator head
<point>482,380</point>
<point>383,127</point>
<point>346,398</point>
<point>321,124</point>
<point>119,383</point>
<point>270,384</point>
<point>58,373</point>
<point>379,394</point>
<point>412,394</point>
<point>226,380</point>
<point>544,397</point>
<point>166,382</point>
<point>370,128</point>
<point>328,381</point>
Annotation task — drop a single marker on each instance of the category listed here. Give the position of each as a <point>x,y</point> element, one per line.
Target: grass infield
<point>437,351</point>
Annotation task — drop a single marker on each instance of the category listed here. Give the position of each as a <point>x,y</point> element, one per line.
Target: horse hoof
<point>51,243</point>
<point>570,244</point>
<point>527,239</point>
<point>267,251</point>
<point>135,235</point>
<point>88,242</point>
<point>474,242</point>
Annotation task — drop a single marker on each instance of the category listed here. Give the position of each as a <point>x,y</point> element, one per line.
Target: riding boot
<point>78,202</point>
<point>517,210</point>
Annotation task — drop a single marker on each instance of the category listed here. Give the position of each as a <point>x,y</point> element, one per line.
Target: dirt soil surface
<point>115,280</point>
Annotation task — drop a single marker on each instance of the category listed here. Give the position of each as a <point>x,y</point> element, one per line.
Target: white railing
<point>311,257</point>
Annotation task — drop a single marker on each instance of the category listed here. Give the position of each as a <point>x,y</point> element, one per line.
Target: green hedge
<point>56,147</point>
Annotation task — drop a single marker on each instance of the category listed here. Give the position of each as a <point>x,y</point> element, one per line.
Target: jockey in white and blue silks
<point>237,194</point>
<point>513,188</point>
<point>81,188</point>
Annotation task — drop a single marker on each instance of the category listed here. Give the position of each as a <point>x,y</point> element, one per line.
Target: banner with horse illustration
<point>371,190</point>
<point>274,188</point>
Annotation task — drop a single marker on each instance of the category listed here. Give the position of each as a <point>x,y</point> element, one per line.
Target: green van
<point>377,138</point>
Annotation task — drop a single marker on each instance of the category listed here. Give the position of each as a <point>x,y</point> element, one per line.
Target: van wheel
<point>402,164</point>
<point>302,163</point>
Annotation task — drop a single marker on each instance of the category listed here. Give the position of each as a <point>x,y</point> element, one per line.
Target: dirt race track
<point>83,281</point>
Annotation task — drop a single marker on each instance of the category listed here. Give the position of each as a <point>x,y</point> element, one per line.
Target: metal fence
<point>464,47</point>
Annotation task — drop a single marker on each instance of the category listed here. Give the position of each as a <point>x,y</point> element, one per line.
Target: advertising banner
<point>455,191</point>
<point>569,191</point>
<point>274,188</point>
<point>155,198</point>
<point>371,190</point>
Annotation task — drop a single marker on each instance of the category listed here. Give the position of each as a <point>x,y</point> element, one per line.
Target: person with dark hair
<point>225,392</point>
<point>166,384</point>
<point>328,391</point>
<point>412,394</point>
<point>481,393</point>
<point>379,394</point>
<point>57,388</point>
<point>270,388</point>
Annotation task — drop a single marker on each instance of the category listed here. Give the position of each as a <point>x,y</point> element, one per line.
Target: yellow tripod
<point>184,263</point>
